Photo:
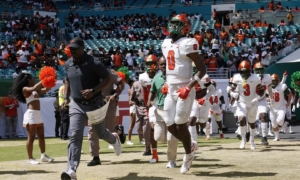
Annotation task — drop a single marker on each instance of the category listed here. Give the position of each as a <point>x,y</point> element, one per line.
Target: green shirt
<point>157,84</point>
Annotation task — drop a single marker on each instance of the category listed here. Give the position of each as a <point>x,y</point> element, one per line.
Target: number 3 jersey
<point>179,66</point>
<point>246,89</point>
<point>278,99</point>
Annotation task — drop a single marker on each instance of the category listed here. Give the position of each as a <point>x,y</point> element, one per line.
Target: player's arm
<point>152,94</point>
<point>211,90</point>
<point>132,95</point>
<point>289,94</point>
<point>200,65</point>
<point>259,90</point>
<point>119,89</point>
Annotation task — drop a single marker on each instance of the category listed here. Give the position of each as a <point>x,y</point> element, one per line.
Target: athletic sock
<point>264,129</point>
<point>193,132</point>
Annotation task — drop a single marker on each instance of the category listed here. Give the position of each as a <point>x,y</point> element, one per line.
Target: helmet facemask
<point>151,67</point>
<point>175,27</point>
<point>275,83</point>
<point>260,71</point>
<point>245,74</point>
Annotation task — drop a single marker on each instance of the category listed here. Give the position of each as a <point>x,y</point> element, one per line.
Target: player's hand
<point>201,101</point>
<point>164,89</point>
<point>131,103</point>
<point>285,74</point>
<point>87,93</point>
<point>294,108</point>
<point>183,92</point>
<point>234,95</point>
<point>255,100</point>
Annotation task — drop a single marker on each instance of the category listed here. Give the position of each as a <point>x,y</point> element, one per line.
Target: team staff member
<point>86,78</point>
<point>110,123</point>
<point>158,91</point>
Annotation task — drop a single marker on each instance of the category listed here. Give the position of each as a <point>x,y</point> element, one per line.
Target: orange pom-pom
<point>67,51</point>
<point>121,75</point>
<point>48,76</point>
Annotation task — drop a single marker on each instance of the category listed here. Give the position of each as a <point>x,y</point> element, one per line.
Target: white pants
<point>288,113</point>
<point>277,116</point>
<point>200,112</point>
<point>247,110</point>
<point>177,110</point>
<point>132,109</point>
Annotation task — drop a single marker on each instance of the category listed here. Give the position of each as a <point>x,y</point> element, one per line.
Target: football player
<point>200,109</point>
<point>217,108</point>
<point>278,104</point>
<point>139,95</point>
<point>180,51</point>
<point>249,91</point>
<point>262,109</point>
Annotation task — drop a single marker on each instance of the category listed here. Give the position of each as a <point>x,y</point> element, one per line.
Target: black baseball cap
<point>76,43</point>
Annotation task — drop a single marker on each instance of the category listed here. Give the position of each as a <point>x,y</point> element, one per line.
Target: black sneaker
<point>247,136</point>
<point>94,162</point>
<point>147,153</point>
<point>119,129</point>
<point>239,137</point>
<point>264,141</point>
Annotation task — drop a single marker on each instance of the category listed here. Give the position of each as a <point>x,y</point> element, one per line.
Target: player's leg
<point>251,114</point>
<point>289,119</point>
<point>262,113</point>
<point>241,113</point>
<point>192,123</point>
<point>203,119</point>
<point>170,111</point>
<point>273,117</point>
<point>280,116</point>
<point>217,117</point>
<point>172,150</point>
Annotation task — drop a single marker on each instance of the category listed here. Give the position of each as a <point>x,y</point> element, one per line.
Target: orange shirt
<point>265,25</point>
<point>257,24</point>
<point>262,10</point>
<point>224,35</point>
<point>240,36</point>
<point>6,56</point>
<point>270,6</point>
<point>212,63</point>
<point>231,45</point>
<point>19,44</point>
<point>218,25</point>
<point>38,49</point>
<point>199,38</point>
<point>11,111</point>
<point>118,60</point>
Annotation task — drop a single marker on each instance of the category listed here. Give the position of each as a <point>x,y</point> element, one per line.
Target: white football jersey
<point>278,99</point>
<point>215,100</point>
<point>266,81</point>
<point>179,66</point>
<point>145,79</point>
<point>247,89</point>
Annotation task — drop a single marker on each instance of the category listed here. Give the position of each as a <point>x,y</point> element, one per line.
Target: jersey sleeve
<point>191,46</point>
<point>236,79</point>
<point>228,89</point>
<point>284,87</point>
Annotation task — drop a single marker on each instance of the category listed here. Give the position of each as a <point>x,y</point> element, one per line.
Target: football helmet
<point>179,25</point>
<point>151,63</point>
<point>245,69</point>
<point>275,80</point>
<point>259,69</point>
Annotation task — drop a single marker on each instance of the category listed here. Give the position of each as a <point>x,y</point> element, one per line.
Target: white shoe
<point>129,143</point>
<point>252,145</point>
<point>291,131</point>
<point>153,160</point>
<point>243,144</point>
<point>71,175</point>
<point>110,146</point>
<point>117,145</point>
<point>276,139</point>
<point>187,162</point>
<point>33,161</point>
<point>194,146</point>
<point>45,158</point>
<point>270,134</point>
<point>81,151</point>
<point>142,142</point>
<point>256,133</point>
<point>171,164</point>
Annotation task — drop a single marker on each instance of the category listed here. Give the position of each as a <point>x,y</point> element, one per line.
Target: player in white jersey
<point>180,52</point>
<point>200,109</point>
<point>262,109</point>
<point>249,91</point>
<point>278,104</point>
<point>217,108</point>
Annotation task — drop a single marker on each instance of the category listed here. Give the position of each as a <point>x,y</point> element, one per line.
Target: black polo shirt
<point>86,74</point>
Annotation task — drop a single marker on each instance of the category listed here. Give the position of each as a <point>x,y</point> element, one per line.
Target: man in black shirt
<point>85,79</point>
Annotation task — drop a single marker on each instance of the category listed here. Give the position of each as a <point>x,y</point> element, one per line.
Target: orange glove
<point>211,111</point>
<point>201,101</point>
<point>164,89</point>
<point>183,92</point>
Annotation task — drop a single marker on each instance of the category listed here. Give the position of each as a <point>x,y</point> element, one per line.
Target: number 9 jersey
<point>247,89</point>
<point>179,66</point>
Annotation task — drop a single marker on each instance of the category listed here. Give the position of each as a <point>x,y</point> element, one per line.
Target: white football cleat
<point>153,160</point>
<point>243,144</point>
<point>187,162</point>
<point>276,139</point>
<point>291,130</point>
<point>45,158</point>
<point>71,175</point>
<point>129,143</point>
<point>171,164</point>
<point>252,145</point>
<point>33,161</point>
<point>270,134</point>
<point>194,146</point>
<point>142,142</point>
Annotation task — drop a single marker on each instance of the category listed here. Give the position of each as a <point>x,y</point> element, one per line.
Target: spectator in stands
<point>217,27</point>
<point>231,64</point>
<point>224,37</point>
<point>214,14</point>
<point>296,9</point>
<point>221,64</point>
<point>57,115</point>
<point>282,23</point>
<point>262,9</point>
<point>290,18</point>
<point>23,56</point>
<point>130,58</point>
<point>11,104</point>
<point>266,57</point>
<point>117,60</point>
<point>278,6</point>
<point>212,64</point>
<point>215,44</point>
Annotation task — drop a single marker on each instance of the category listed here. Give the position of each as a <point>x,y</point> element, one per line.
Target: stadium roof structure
<point>291,58</point>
